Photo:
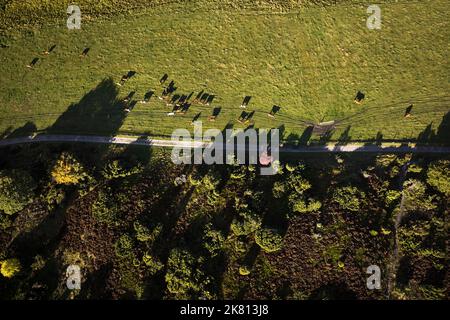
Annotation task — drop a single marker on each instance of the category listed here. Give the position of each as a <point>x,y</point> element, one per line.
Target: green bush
<point>153,264</point>
<point>279,189</point>
<point>38,263</point>
<point>16,190</point>
<point>302,206</point>
<point>184,279</point>
<point>294,183</point>
<point>10,267</point>
<point>438,176</point>
<point>68,170</point>
<point>213,240</point>
<point>333,253</point>
<point>5,222</point>
<point>247,223</point>
<point>115,170</point>
<point>416,198</point>
<point>124,246</point>
<point>105,209</point>
<point>144,234</point>
<point>348,198</point>
<point>392,196</point>
<point>270,240</point>
<point>54,197</point>
<point>244,271</point>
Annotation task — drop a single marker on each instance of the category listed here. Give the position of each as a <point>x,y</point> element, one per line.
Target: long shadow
<point>426,135</point>
<point>99,112</point>
<point>6,133</point>
<point>306,136</point>
<point>443,131</point>
<point>345,136</point>
<point>23,131</point>
<point>135,155</point>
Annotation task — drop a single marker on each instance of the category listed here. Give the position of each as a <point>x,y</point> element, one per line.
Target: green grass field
<point>311,61</point>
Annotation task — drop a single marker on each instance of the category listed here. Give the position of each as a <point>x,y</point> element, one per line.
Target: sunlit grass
<point>310,61</point>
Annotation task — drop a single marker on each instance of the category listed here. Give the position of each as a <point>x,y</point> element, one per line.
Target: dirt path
<point>201,144</point>
<point>393,264</point>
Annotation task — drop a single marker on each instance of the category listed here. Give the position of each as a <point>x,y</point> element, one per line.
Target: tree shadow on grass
<point>427,134</point>
<point>24,131</point>
<point>306,136</point>
<point>443,131</point>
<point>98,112</point>
<point>345,137</point>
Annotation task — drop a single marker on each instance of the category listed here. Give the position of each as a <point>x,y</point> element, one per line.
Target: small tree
<point>115,170</point>
<point>348,198</point>
<point>213,240</point>
<point>16,190</point>
<point>124,246</point>
<point>104,209</point>
<point>67,170</point>
<point>439,176</point>
<point>10,267</point>
<point>184,278</point>
<point>246,223</point>
<point>270,240</point>
<point>302,206</point>
<point>153,264</point>
<point>416,198</point>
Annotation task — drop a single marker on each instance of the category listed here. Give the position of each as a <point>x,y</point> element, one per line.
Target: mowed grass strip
<point>311,62</point>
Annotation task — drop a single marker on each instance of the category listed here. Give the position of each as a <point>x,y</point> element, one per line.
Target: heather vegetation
<point>310,231</point>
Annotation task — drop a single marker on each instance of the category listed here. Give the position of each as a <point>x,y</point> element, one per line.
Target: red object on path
<point>265,159</point>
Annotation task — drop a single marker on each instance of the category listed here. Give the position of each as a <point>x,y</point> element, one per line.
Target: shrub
<point>438,176</point>
<point>54,197</point>
<point>10,267</point>
<point>415,168</point>
<point>247,222</point>
<point>153,264</point>
<point>373,233</point>
<point>385,160</point>
<point>278,189</point>
<point>244,271</point>
<point>348,198</point>
<point>67,170</point>
<point>210,181</point>
<point>294,183</point>
<point>270,240</point>
<point>302,206</point>
<point>124,246</point>
<point>38,263</point>
<point>115,170</point>
<point>183,277</point>
<point>105,210</point>
<point>290,167</point>
<point>194,179</point>
<point>5,222</point>
<point>16,190</point>
<point>333,253</point>
<point>213,240</point>
<point>416,197</point>
<point>144,234</point>
<point>392,196</point>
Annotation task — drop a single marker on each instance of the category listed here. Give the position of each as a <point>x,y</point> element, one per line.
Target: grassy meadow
<point>309,60</point>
